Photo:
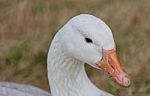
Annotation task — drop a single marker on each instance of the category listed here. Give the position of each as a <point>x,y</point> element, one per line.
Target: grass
<point>28,26</point>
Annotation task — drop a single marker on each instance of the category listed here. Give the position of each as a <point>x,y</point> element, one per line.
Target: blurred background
<point>28,26</point>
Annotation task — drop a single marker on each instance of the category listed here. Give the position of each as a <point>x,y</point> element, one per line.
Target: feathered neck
<point>67,76</point>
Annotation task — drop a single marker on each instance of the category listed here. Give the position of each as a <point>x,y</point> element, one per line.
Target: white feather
<point>69,51</point>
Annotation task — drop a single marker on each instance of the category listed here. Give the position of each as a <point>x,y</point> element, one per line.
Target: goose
<point>84,39</point>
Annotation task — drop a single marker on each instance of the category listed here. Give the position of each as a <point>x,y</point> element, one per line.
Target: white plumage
<point>68,53</point>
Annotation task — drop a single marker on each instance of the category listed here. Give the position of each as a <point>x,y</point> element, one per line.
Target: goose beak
<point>111,64</point>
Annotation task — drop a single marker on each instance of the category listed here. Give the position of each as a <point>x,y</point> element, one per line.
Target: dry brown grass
<point>27,27</point>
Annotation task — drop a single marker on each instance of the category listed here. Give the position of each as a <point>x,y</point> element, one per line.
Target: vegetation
<point>28,26</point>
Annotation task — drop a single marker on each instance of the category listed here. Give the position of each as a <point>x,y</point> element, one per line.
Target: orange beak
<point>111,64</point>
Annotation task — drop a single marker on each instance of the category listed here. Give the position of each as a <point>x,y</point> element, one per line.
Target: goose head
<point>88,39</point>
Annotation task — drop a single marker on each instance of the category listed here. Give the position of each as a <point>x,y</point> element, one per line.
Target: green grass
<point>28,26</point>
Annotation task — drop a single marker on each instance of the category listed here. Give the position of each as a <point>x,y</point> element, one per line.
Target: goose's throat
<point>67,76</point>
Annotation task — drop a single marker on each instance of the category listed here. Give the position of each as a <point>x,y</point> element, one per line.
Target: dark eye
<point>88,40</point>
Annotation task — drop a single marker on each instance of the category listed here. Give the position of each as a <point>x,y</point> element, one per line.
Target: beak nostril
<point>111,65</point>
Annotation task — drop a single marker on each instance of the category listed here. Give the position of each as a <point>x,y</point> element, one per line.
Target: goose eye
<point>88,40</point>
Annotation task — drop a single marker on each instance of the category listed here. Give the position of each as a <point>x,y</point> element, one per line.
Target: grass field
<point>28,26</point>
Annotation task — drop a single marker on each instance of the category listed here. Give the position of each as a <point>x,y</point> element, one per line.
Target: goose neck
<point>67,76</point>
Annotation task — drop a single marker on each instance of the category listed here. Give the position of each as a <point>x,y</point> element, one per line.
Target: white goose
<point>84,39</point>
